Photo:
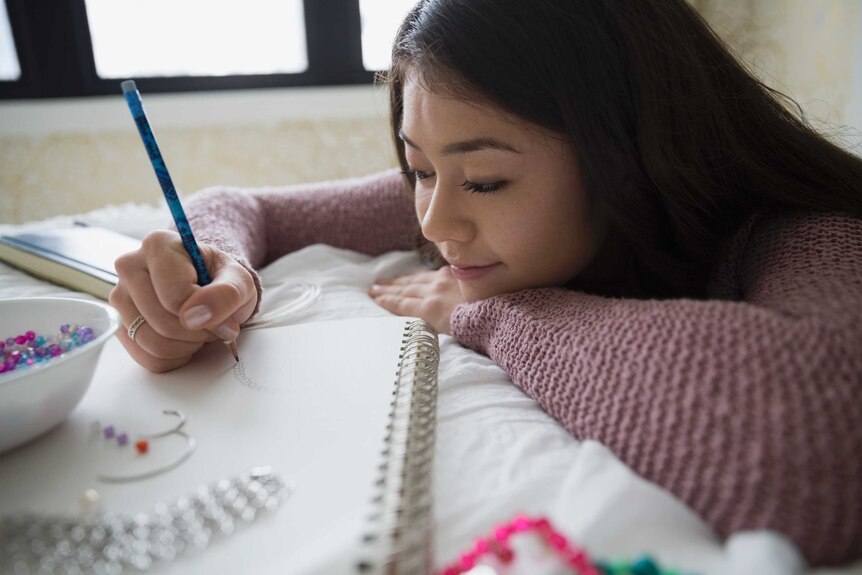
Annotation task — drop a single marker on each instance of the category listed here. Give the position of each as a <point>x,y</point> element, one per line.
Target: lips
<point>471,273</point>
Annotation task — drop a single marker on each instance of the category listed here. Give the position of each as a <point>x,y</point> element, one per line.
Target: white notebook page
<point>313,402</point>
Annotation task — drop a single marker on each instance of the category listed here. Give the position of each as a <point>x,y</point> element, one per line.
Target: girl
<point>637,230</point>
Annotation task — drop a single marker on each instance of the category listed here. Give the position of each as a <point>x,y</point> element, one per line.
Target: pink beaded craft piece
<point>497,545</point>
<point>29,349</point>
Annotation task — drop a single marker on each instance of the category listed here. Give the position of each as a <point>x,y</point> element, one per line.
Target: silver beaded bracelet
<point>111,543</point>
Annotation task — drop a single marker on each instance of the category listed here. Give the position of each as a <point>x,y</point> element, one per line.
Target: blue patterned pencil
<point>136,106</point>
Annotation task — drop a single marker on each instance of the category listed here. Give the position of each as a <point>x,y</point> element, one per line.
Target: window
<point>9,67</point>
<point>380,22</point>
<point>134,39</point>
<point>85,47</point>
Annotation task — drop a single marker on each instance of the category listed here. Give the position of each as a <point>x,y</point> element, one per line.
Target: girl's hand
<point>159,282</point>
<point>430,295</point>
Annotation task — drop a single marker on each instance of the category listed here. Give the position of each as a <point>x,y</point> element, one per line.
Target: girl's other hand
<point>159,282</point>
<point>430,295</point>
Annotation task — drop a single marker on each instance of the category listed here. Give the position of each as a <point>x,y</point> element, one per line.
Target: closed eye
<point>479,188</point>
<point>418,174</point>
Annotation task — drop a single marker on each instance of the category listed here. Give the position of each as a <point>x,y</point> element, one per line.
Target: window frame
<point>55,54</point>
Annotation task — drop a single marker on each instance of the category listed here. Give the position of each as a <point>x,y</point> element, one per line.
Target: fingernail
<point>226,332</point>
<point>374,287</point>
<point>197,316</point>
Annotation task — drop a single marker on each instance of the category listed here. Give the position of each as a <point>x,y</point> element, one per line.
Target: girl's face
<point>501,200</point>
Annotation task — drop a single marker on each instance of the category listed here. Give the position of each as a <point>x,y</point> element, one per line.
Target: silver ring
<point>139,321</point>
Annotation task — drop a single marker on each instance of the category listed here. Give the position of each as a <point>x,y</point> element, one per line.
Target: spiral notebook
<point>343,411</point>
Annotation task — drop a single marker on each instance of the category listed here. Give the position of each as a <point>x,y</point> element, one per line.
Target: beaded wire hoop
<point>497,545</point>
<point>191,444</point>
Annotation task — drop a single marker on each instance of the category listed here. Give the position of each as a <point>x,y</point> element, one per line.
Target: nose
<point>444,216</point>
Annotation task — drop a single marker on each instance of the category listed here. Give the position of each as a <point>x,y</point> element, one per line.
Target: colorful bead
<point>645,566</point>
<point>29,348</point>
<point>497,543</point>
<point>123,439</point>
<point>109,432</point>
<point>89,499</point>
<point>142,446</point>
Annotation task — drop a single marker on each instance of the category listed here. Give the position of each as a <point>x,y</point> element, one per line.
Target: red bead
<point>505,554</point>
<point>557,541</point>
<point>481,547</point>
<point>521,523</point>
<point>542,524</point>
<point>577,558</point>
<point>451,571</point>
<point>468,561</point>
<point>21,339</point>
<point>503,532</point>
<point>142,446</point>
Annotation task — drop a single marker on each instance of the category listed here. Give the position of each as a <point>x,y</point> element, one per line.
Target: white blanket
<point>497,452</point>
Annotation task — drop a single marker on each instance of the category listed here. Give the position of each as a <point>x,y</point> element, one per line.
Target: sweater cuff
<point>473,324</point>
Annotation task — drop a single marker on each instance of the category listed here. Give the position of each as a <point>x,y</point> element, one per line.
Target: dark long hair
<point>675,139</point>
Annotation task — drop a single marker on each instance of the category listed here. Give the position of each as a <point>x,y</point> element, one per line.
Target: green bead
<point>602,567</point>
<point>645,566</point>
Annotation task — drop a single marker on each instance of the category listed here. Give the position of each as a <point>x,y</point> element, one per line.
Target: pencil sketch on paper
<point>244,379</point>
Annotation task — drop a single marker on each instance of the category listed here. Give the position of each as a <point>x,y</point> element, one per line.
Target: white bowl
<point>36,398</point>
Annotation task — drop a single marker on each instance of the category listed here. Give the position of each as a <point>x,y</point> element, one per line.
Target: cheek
<point>554,240</point>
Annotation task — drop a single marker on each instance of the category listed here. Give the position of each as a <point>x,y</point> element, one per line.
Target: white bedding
<point>497,452</point>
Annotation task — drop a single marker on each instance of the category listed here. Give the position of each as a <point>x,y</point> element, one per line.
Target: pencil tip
<point>231,345</point>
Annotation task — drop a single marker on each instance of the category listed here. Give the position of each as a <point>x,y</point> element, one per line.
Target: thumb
<point>225,303</point>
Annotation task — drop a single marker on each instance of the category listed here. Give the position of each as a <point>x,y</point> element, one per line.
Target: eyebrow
<point>473,145</point>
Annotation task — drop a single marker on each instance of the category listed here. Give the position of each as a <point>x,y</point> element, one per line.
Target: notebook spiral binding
<point>399,539</point>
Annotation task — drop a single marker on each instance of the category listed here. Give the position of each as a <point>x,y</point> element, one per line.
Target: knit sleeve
<point>749,411</point>
<point>373,215</point>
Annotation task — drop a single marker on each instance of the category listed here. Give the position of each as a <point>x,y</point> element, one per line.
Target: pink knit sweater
<point>746,406</point>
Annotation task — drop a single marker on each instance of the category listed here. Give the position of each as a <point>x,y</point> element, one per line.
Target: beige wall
<point>72,156</point>
<point>809,49</point>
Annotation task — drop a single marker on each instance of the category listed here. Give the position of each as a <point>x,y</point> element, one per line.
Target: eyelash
<point>417,174</point>
<point>477,188</point>
<point>473,187</point>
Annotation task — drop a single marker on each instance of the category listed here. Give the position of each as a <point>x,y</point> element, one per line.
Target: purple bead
<point>109,432</point>
<point>64,328</point>
<point>122,439</point>
<point>10,341</point>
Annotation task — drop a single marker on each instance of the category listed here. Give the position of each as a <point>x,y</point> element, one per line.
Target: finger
<point>150,362</point>
<point>418,277</point>
<point>398,305</point>
<point>404,290</point>
<point>137,295</point>
<point>146,337</point>
<point>171,271</point>
<point>223,304</point>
